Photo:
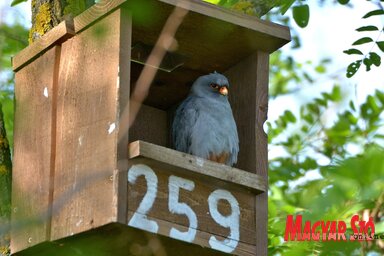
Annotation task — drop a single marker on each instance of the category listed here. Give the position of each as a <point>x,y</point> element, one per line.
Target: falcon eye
<point>214,86</point>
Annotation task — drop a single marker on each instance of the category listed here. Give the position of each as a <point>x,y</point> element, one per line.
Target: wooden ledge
<point>196,165</point>
<point>256,27</point>
<point>252,23</point>
<point>254,32</point>
<point>57,35</point>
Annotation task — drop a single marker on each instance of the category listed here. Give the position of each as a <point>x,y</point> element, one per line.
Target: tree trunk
<point>48,13</point>
<point>5,188</point>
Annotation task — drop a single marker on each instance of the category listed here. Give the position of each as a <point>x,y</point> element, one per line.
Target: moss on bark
<point>46,14</point>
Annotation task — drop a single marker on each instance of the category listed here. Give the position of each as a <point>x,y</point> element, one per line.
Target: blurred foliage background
<point>326,169</point>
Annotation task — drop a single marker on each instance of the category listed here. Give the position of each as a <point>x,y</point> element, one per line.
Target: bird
<point>204,125</point>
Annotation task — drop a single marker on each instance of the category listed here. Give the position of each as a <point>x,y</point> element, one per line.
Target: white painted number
<point>175,207</point>
<point>231,221</point>
<point>139,218</point>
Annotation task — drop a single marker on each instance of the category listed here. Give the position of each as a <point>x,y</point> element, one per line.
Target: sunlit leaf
<point>367,28</point>
<point>372,103</point>
<point>380,96</point>
<point>379,228</point>
<point>301,15</point>
<point>363,40</point>
<point>336,93</point>
<point>353,51</point>
<point>373,13</point>
<point>212,1</point>
<point>320,69</point>
<point>290,117</point>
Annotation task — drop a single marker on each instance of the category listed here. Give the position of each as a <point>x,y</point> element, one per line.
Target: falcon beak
<point>223,91</point>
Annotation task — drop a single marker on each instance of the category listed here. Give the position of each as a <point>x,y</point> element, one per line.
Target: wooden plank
<point>242,96</point>
<point>197,165</point>
<point>264,28</point>
<point>35,87</point>
<point>262,149</point>
<point>151,125</point>
<point>202,238</point>
<point>249,100</point>
<point>152,187</point>
<point>57,35</point>
<point>120,240</point>
<point>86,153</point>
<point>239,19</point>
<point>94,13</point>
<point>124,80</point>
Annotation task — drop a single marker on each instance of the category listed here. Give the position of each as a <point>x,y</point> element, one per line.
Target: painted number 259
<point>175,184</point>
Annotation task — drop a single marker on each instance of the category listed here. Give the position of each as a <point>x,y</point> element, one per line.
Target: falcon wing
<point>183,123</point>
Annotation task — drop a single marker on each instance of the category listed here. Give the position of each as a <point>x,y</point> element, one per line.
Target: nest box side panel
<point>32,160</point>
<point>249,100</point>
<point>87,127</point>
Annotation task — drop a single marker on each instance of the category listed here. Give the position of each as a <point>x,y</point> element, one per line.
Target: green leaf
<point>353,51</point>
<point>363,40</point>
<point>343,1</point>
<point>379,136</point>
<point>368,63</point>
<point>372,59</point>
<point>301,15</point>
<point>321,69</point>
<point>16,2</point>
<point>352,105</point>
<point>290,117</point>
<point>376,59</point>
<point>373,13</point>
<point>372,104</point>
<point>379,228</point>
<point>336,93</point>
<point>351,118</point>
<point>367,28</point>
<point>285,6</point>
<point>321,102</point>
<point>380,96</point>
<point>212,1</point>
<point>380,45</point>
<point>352,68</point>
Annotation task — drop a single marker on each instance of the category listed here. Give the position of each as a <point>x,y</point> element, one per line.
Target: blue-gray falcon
<point>204,125</point>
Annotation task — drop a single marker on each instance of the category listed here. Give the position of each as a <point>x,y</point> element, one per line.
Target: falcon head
<point>213,85</point>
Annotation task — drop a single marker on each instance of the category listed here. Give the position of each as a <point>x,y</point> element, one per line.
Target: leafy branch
<point>371,58</point>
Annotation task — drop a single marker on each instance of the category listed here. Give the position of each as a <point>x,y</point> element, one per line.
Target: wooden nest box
<point>79,190</point>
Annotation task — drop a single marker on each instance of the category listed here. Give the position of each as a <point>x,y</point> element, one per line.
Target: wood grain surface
<point>86,141</point>
<point>55,36</point>
<point>178,160</point>
<point>32,159</point>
